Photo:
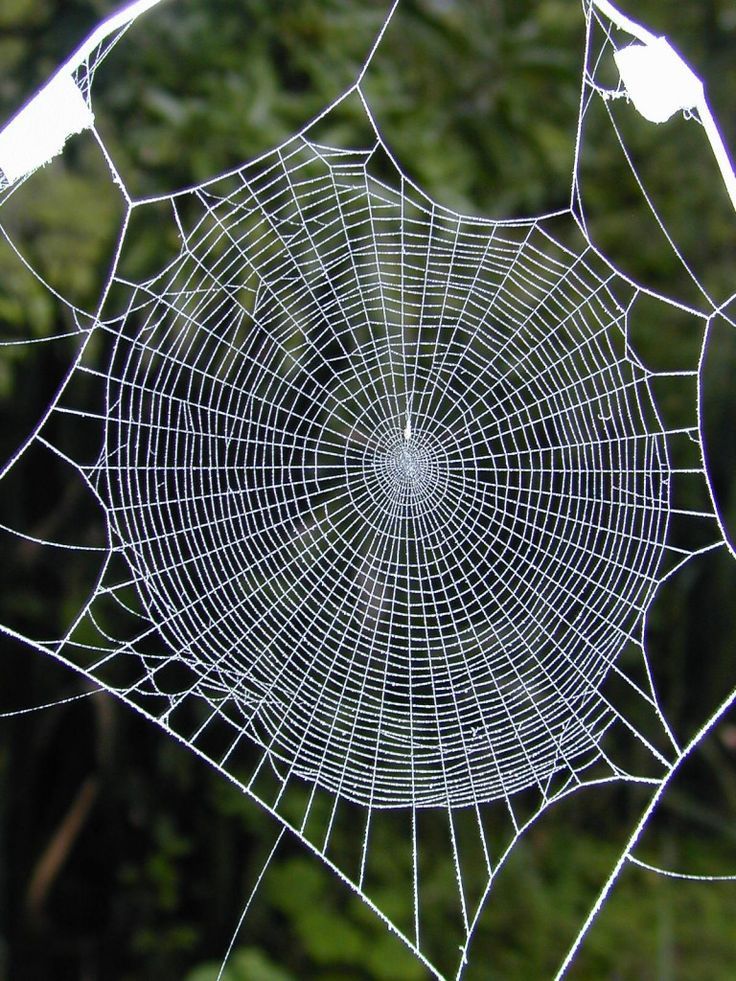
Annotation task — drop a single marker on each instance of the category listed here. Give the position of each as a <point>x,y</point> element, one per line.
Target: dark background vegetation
<point>122,856</point>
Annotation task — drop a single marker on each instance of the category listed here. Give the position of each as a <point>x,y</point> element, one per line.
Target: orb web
<point>387,478</point>
<point>388,498</point>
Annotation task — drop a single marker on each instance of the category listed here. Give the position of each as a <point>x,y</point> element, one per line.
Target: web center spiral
<point>409,468</point>
<point>408,463</point>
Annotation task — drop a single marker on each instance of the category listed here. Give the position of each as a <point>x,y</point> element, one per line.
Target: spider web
<point>388,497</point>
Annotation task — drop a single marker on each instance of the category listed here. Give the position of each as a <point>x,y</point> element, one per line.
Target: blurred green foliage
<point>478,102</point>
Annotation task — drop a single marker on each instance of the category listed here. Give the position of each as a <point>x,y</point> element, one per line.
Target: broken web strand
<point>680,875</point>
<point>407,434</point>
<point>59,701</point>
